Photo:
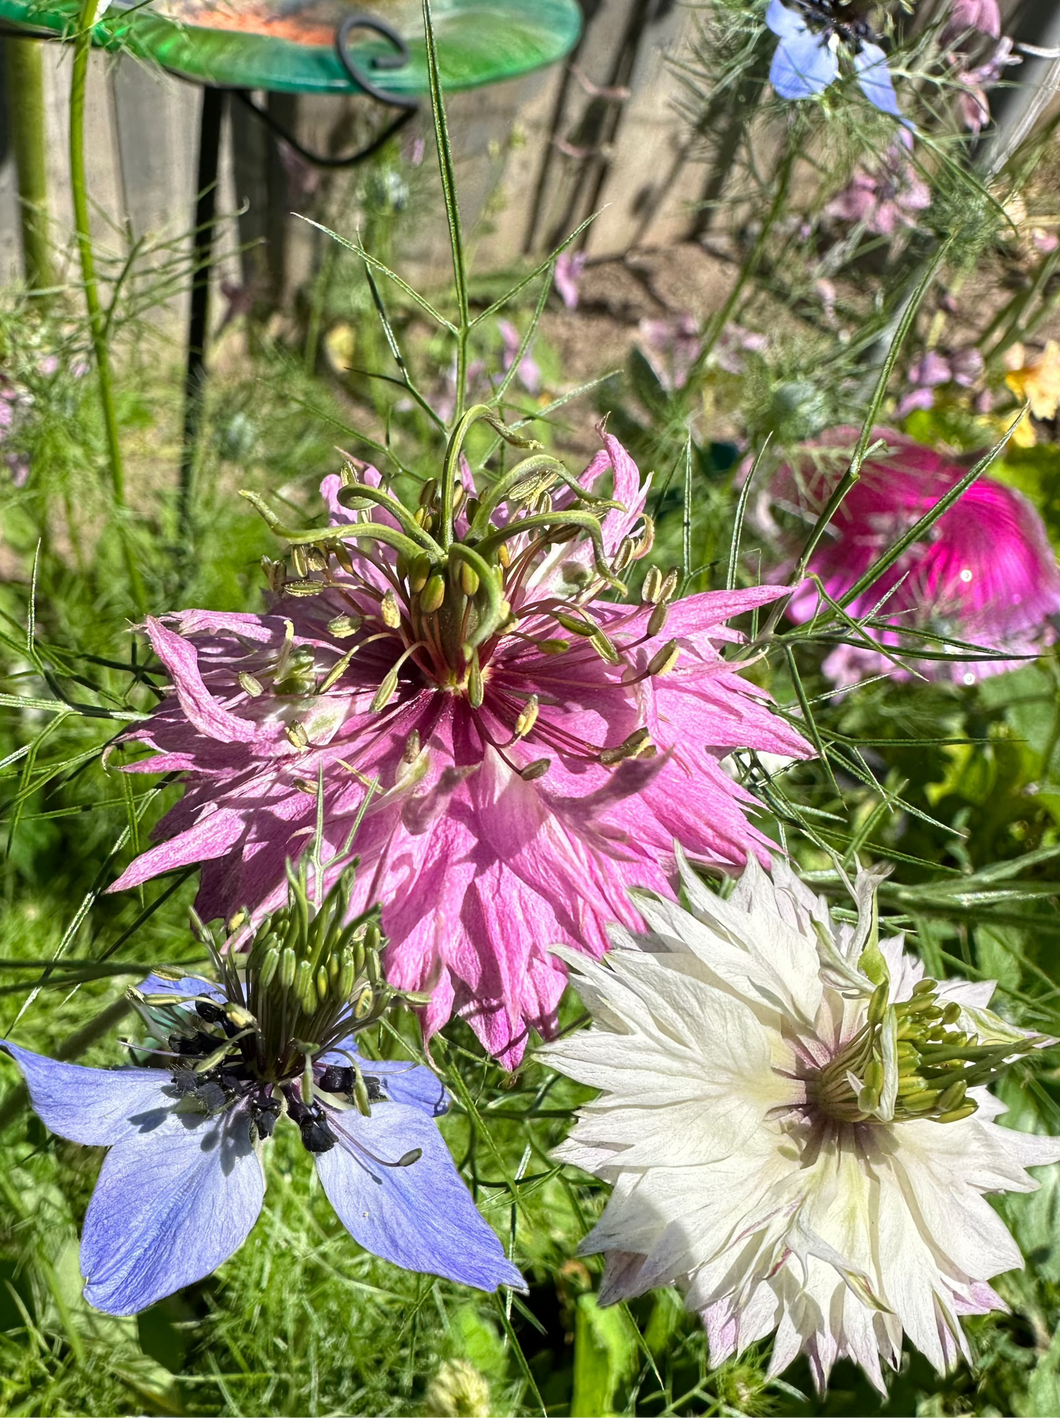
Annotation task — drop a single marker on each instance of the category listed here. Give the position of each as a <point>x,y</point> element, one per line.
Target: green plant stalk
<point>452,211</point>
<point>96,318</point>
<point>24,72</point>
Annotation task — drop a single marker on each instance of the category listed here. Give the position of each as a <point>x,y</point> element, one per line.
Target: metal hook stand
<point>210,123</point>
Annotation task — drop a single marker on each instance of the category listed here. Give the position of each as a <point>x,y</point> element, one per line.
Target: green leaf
<point>605,1355</point>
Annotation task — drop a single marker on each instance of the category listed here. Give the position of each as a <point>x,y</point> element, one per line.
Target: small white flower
<point>796,1126</point>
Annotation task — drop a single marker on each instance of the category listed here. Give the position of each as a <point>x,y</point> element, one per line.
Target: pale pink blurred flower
<point>974,104</point>
<point>734,343</point>
<point>885,197</point>
<point>567,277</point>
<point>1044,241</point>
<point>934,368</point>
<point>528,373</point>
<point>522,750</point>
<point>965,15</point>
<point>985,575</point>
<point>671,346</point>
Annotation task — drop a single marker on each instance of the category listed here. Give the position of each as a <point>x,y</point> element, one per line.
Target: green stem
<point>24,64</point>
<point>96,319</point>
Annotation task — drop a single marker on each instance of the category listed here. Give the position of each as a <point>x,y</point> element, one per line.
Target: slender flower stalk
<point>797,1127</point>
<point>88,15</point>
<point>510,748</point>
<point>274,1038</point>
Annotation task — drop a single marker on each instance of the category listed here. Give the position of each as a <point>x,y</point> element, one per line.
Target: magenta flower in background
<point>521,749</point>
<point>986,575</point>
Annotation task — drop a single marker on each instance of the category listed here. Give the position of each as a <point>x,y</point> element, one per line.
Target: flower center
<point>308,983</point>
<point>915,1059</point>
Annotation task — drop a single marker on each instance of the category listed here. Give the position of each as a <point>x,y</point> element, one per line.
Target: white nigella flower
<point>796,1126</point>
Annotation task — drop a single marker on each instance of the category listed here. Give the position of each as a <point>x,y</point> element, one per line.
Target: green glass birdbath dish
<point>289,45</point>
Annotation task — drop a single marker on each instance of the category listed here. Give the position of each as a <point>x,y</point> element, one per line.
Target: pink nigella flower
<point>965,15</point>
<point>985,575</point>
<point>521,749</point>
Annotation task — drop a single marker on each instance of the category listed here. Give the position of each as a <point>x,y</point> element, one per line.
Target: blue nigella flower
<point>807,58</point>
<point>183,1183</point>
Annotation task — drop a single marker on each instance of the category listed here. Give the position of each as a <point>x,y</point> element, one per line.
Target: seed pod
<point>384,693</point>
<point>419,573</point>
<point>288,968</point>
<point>605,648</point>
<point>663,661</point>
<point>433,594</point>
<point>269,966</point>
<point>360,1095</point>
<point>305,991</point>
<point>528,718</point>
<point>650,591</point>
<point>347,975</point>
<point>251,686</point>
<point>343,626</point>
<point>575,625</point>
<point>296,735</point>
<point>953,1096</point>
<point>476,690</point>
<point>658,618</point>
<point>628,748</point>
<point>922,1102</point>
<point>390,611</point>
<point>868,1100</point>
<point>623,556</point>
<point>957,1114</point>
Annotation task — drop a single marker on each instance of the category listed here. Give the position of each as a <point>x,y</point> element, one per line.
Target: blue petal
<point>403,1082</point>
<point>870,62</point>
<point>94,1106</point>
<point>192,985</point>
<point>804,64</point>
<point>171,1204</point>
<point>420,1217</point>
<point>783,22</point>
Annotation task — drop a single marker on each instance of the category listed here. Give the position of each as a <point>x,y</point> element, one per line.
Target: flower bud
<point>390,611</point>
<point>433,594</point>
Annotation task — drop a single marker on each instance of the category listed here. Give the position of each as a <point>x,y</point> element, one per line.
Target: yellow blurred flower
<point>1037,380</point>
